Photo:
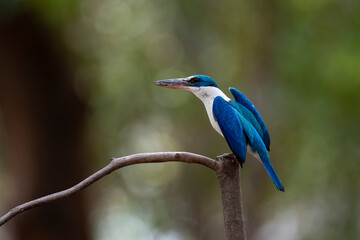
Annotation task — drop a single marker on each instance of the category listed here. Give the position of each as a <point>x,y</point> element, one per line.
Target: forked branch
<point>226,168</point>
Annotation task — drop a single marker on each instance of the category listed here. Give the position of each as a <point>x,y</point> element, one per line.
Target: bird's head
<point>188,83</point>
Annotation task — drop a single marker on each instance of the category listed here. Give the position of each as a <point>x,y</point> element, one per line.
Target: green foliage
<point>298,61</point>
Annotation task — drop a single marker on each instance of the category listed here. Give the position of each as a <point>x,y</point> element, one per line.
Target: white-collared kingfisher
<point>237,121</point>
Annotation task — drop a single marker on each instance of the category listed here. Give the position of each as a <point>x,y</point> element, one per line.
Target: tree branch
<point>228,175</point>
<point>227,170</point>
<point>115,164</point>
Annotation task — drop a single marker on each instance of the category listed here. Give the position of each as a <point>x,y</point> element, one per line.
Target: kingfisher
<point>239,122</point>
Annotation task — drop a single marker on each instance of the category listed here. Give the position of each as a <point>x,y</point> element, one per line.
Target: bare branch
<point>226,168</point>
<point>228,175</point>
<point>115,164</point>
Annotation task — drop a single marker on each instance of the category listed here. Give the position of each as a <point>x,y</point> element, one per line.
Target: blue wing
<point>239,133</point>
<point>249,116</point>
<point>231,127</point>
<point>244,101</point>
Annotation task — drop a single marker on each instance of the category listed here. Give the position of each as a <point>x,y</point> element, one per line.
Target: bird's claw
<point>227,155</point>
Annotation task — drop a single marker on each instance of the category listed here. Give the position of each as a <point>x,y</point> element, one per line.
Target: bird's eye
<point>194,80</point>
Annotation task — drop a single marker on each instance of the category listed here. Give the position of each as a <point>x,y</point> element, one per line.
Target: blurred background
<point>76,89</point>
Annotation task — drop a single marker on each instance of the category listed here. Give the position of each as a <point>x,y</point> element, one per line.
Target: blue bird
<point>237,121</point>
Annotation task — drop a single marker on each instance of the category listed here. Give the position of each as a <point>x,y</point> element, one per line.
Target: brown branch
<point>228,175</point>
<point>227,171</point>
<point>115,163</point>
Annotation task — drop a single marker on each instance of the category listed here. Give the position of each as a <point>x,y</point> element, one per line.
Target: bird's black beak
<point>177,83</point>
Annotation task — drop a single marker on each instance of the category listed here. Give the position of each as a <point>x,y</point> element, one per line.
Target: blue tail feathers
<point>274,177</point>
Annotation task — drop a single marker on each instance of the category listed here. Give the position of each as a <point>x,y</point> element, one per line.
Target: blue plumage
<point>239,132</point>
<point>244,101</point>
<point>231,128</point>
<point>204,81</point>
<point>249,116</point>
<point>238,121</point>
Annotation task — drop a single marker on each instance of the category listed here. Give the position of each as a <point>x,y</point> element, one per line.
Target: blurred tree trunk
<point>43,123</point>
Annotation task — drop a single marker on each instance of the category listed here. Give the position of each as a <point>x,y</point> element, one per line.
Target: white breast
<point>207,96</point>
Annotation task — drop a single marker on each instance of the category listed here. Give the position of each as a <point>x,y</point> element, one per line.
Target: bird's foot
<point>230,156</point>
